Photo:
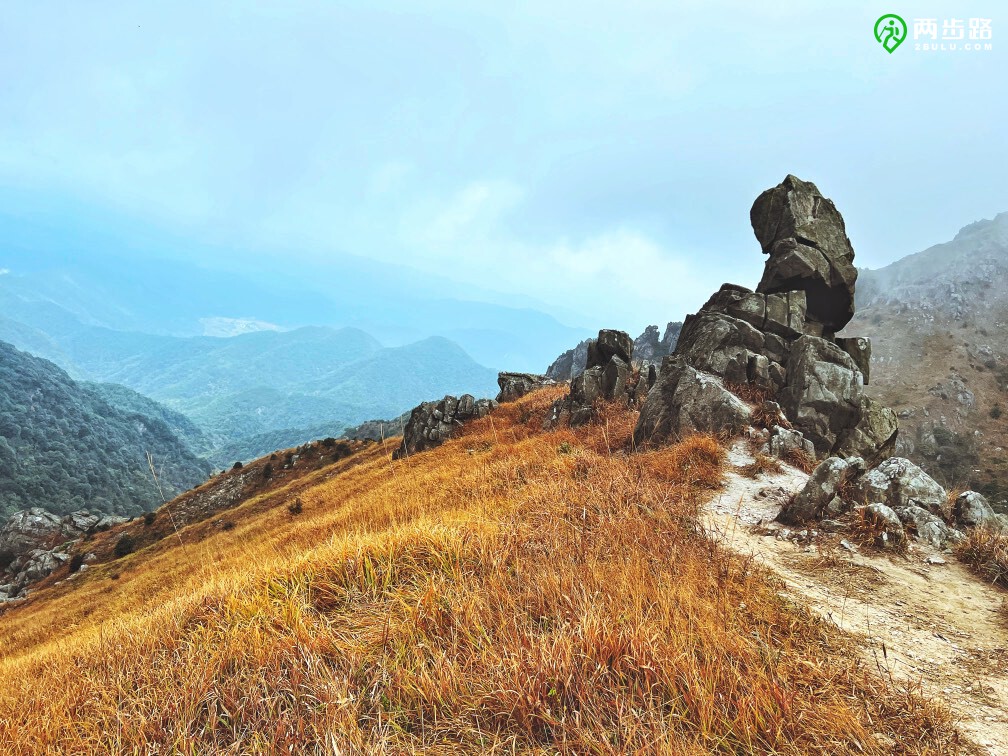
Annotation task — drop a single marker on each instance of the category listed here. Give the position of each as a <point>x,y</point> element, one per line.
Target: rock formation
<point>779,340</point>
<point>608,374</point>
<point>516,385</point>
<point>648,349</point>
<point>432,423</point>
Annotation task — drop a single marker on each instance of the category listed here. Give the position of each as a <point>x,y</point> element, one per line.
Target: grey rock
<point>898,483</point>
<point>971,510</point>
<point>710,341</point>
<point>516,385</point>
<point>783,442</point>
<point>874,435</point>
<point>927,526</point>
<point>859,349</point>
<point>823,395</point>
<point>610,343</point>
<point>887,520</point>
<point>822,495</point>
<point>685,400</point>
<point>430,424</point>
<point>614,378</point>
<point>806,240</point>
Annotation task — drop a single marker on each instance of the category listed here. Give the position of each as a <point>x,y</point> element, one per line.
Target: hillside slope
<point>515,590</point>
<point>63,447</point>
<point>940,354</point>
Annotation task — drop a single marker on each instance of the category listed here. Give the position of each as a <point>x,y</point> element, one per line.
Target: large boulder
<point>27,530</point>
<point>823,395</point>
<point>516,385</point>
<point>610,343</point>
<point>927,526</point>
<point>824,494</point>
<point>971,510</point>
<point>874,436</point>
<point>898,483</point>
<point>806,240</point>
<point>684,400</point>
<point>719,344</point>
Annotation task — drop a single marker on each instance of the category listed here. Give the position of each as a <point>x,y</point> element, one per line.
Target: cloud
<point>619,276</point>
<point>4,271</point>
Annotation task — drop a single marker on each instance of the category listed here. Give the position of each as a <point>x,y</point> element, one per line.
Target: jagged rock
<point>516,385</point>
<point>648,346</point>
<point>685,400</point>
<point>874,436</point>
<point>29,529</point>
<point>570,364</point>
<point>887,521</point>
<point>899,483</point>
<point>783,442</point>
<point>805,237</point>
<point>823,493</point>
<point>34,566</point>
<point>614,378</point>
<point>927,526</point>
<point>971,510</point>
<point>719,344</point>
<point>432,423</point>
<point>610,343</point>
<point>823,395</point>
<point>859,349</point>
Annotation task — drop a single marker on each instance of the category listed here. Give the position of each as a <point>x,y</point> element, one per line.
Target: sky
<point>598,159</point>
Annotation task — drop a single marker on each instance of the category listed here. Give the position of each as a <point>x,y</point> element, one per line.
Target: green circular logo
<point>890,31</point>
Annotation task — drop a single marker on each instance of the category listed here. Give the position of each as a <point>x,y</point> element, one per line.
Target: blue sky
<point>600,158</point>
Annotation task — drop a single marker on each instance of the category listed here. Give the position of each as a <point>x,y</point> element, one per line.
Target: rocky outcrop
<point>899,483</point>
<point>648,349</point>
<point>516,385</point>
<point>686,400</point>
<point>35,542</point>
<point>432,423</point>
<point>608,375</point>
<point>779,340</point>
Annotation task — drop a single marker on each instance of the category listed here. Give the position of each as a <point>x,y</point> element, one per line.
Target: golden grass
<point>515,590</point>
<point>985,550</point>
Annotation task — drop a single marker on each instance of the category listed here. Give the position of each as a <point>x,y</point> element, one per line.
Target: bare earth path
<point>923,617</point>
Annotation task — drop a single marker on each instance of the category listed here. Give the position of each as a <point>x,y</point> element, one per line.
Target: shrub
<point>267,471</point>
<point>76,562</point>
<point>149,518</point>
<point>237,466</point>
<point>995,412</point>
<point>295,507</point>
<point>125,545</point>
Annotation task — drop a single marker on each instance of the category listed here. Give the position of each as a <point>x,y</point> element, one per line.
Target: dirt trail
<point>923,617</point>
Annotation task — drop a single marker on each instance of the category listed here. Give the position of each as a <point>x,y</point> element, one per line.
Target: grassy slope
<point>513,590</point>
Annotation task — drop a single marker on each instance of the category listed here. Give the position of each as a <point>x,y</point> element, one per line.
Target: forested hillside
<point>64,447</point>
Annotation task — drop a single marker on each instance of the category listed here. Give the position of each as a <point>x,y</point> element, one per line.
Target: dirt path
<point>923,617</point>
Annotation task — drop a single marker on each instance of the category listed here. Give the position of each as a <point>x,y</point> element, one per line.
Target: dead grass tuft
<point>985,551</point>
<point>761,465</point>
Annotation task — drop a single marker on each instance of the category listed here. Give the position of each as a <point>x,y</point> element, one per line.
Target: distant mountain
<point>64,447</point>
<point>99,280</point>
<point>244,390</point>
<point>939,322</point>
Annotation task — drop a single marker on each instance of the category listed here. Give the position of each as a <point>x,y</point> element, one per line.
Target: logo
<point>890,31</point>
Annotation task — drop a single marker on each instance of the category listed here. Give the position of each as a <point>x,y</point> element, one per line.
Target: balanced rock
<point>806,240</point>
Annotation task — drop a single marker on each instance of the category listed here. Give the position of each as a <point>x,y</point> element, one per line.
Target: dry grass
<point>494,595</point>
<point>985,550</point>
<point>866,529</point>
<point>800,459</point>
<point>761,465</point>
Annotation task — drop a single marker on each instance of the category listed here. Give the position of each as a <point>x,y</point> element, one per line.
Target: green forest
<point>64,447</point>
